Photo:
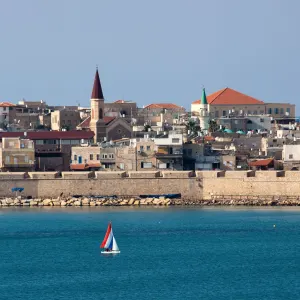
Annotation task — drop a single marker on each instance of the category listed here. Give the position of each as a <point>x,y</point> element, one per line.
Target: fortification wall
<point>202,185</point>
<point>44,184</point>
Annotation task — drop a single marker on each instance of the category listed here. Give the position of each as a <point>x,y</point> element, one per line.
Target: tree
<point>213,126</point>
<point>192,126</point>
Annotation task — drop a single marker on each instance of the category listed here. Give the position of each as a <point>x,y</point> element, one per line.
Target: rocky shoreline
<point>162,201</point>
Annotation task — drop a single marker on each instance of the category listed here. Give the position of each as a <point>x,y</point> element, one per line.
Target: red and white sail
<point>109,241</point>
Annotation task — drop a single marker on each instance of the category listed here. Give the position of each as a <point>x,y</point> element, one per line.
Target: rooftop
<point>230,96</point>
<point>50,135</point>
<point>162,106</point>
<point>6,104</point>
<point>261,162</point>
<point>86,123</point>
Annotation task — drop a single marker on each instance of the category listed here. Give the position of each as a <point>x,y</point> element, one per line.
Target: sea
<point>166,253</point>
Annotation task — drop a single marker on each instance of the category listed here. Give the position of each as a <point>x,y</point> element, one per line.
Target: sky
<point>156,51</point>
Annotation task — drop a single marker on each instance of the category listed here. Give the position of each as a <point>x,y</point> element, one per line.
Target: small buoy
<point>274,225</point>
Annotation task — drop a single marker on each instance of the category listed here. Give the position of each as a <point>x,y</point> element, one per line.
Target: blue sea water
<point>166,253</point>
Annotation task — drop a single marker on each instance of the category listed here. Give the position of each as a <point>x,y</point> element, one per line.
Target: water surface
<point>166,253</point>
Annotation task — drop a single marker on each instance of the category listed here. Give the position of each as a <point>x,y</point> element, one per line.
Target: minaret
<point>97,110</point>
<point>204,112</point>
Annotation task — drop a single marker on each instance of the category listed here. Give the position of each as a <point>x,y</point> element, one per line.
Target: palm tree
<point>213,126</point>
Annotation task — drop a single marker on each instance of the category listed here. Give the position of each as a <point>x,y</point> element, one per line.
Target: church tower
<point>97,124</point>
<point>204,113</point>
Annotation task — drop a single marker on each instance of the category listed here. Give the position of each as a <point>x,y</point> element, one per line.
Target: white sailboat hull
<point>111,252</point>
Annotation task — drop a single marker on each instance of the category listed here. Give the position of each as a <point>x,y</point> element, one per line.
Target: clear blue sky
<point>149,51</point>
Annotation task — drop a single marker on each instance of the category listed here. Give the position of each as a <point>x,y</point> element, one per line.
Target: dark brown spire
<point>97,90</point>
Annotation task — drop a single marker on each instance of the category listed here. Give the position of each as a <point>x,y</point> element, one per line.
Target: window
<point>141,148</point>
<point>249,112</point>
<point>104,156</point>
<point>146,165</point>
<point>7,159</point>
<point>39,142</point>
<point>270,111</point>
<point>4,108</point>
<point>217,114</point>
<point>175,140</point>
<point>162,166</point>
<point>261,112</point>
<point>291,156</point>
<point>255,112</point>
<point>98,156</point>
<point>122,167</point>
<point>148,148</point>
<point>276,111</point>
<point>261,120</point>
<point>15,160</point>
<point>75,142</point>
<point>65,142</point>
<point>75,157</point>
<point>91,156</point>
<point>100,113</point>
<point>26,159</point>
<point>281,111</point>
<point>288,110</point>
<point>224,113</point>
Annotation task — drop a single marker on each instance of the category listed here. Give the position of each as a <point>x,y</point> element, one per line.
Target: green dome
<point>240,132</point>
<point>228,130</point>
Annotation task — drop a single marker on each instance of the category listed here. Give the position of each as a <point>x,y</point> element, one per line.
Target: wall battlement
<point>199,185</point>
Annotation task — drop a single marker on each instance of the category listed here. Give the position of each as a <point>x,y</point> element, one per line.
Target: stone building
<point>228,101</point>
<point>17,154</point>
<point>152,113</point>
<point>65,119</point>
<point>85,158</point>
<point>52,148</point>
<point>121,108</point>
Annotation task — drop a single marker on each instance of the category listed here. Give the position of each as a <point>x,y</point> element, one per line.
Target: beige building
<point>291,157</point>
<point>228,102</point>
<point>65,119</point>
<point>139,156</point>
<point>17,154</point>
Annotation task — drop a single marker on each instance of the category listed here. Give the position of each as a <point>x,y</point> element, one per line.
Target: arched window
<point>100,113</point>
<point>270,111</point>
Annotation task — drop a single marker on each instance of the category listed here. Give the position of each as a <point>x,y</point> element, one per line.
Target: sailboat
<point>109,242</point>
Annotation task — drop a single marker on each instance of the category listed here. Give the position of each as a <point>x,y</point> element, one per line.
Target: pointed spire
<point>97,90</point>
<point>203,98</point>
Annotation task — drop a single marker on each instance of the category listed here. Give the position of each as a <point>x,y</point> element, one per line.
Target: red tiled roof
<point>79,166</point>
<point>86,123</point>
<point>6,104</point>
<point>209,138</point>
<point>50,135</point>
<point>230,96</point>
<point>84,166</point>
<point>162,105</point>
<point>94,165</point>
<point>261,162</point>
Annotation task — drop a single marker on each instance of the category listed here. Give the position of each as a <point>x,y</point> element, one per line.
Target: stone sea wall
<point>126,188</point>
